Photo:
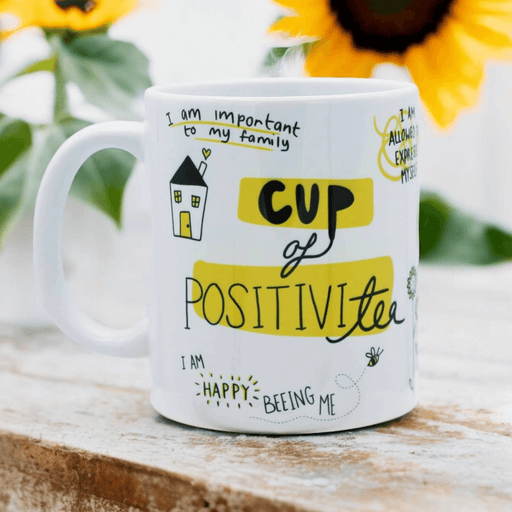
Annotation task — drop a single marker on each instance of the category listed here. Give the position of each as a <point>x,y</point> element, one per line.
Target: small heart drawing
<point>206,153</point>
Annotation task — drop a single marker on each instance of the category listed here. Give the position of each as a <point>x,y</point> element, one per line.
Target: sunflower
<point>443,43</point>
<point>77,15</point>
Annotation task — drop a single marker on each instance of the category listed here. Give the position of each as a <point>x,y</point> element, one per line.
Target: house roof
<point>188,174</point>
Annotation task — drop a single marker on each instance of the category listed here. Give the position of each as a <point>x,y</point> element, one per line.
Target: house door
<point>185,227</point>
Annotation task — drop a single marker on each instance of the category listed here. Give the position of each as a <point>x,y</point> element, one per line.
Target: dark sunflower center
<point>390,26</point>
<point>83,5</point>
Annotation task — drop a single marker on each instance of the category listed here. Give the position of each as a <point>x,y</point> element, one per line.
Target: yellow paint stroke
<point>234,144</point>
<point>314,301</point>
<point>360,213</point>
<point>385,141</point>
<point>216,123</point>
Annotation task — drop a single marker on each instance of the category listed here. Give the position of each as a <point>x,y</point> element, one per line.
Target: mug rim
<point>380,88</point>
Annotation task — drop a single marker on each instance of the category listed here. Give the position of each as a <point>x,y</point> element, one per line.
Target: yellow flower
<point>443,43</point>
<point>76,15</point>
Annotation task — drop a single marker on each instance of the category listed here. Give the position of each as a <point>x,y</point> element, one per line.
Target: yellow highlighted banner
<point>328,300</point>
<point>304,203</point>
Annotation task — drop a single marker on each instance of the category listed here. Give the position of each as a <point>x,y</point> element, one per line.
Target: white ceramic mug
<point>284,251</point>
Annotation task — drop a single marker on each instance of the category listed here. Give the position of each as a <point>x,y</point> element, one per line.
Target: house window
<point>195,201</point>
<point>177,196</point>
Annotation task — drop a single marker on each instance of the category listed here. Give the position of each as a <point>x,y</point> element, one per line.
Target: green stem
<point>60,107</point>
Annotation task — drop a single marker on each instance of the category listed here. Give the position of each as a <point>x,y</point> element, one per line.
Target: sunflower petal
<point>312,20</point>
<point>497,7</point>
<point>303,26</point>
<point>46,13</point>
<point>447,73</point>
<point>292,26</point>
<point>493,29</point>
<point>295,5</point>
<point>336,56</point>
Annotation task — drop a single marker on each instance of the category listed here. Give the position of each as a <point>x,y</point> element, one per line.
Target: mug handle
<point>49,212</point>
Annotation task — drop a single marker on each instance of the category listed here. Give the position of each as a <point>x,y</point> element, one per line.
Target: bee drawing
<point>373,356</point>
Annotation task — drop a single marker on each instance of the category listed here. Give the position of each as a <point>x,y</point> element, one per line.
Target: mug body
<point>284,253</point>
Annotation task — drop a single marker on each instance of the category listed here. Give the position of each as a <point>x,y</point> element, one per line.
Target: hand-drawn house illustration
<point>188,200</point>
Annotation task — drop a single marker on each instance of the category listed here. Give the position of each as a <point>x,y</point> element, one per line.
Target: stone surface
<point>77,432</point>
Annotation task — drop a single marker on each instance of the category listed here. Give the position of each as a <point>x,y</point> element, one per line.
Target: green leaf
<point>451,236</point>
<point>42,65</point>
<point>46,142</point>
<point>434,213</point>
<point>306,47</point>
<point>15,138</point>
<point>109,73</point>
<point>276,56</point>
<point>11,194</point>
<point>100,181</point>
<point>15,141</point>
